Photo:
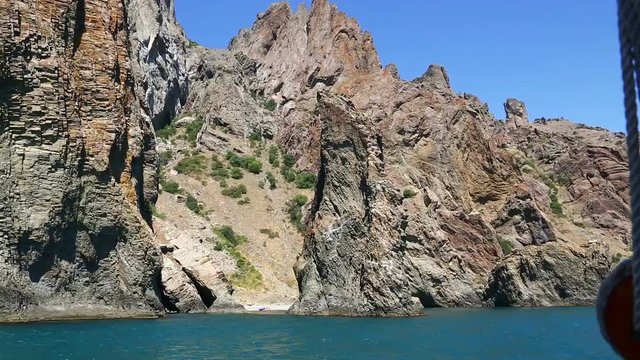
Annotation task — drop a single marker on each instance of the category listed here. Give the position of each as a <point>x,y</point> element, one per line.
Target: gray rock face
<point>223,91</point>
<point>158,66</point>
<point>345,269</point>
<point>74,149</point>
<point>549,275</point>
<point>517,116</point>
<point>435,78</point>
<point>524,222</point>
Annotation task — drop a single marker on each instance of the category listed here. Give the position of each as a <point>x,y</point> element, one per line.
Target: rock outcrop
<point>77,151</point>
<point>517,116</point>
<point>423,198</point>
<point>549,275</point>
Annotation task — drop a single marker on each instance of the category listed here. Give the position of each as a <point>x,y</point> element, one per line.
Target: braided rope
<point>628,26</point>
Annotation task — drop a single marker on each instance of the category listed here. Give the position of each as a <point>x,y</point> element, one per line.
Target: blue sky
<point>559,56</point>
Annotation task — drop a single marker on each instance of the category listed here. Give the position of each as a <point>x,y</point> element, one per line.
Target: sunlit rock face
<point>78,156</point>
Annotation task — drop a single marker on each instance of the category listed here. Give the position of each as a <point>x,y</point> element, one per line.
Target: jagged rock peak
<point>516,111</point>
<point>305,48</point>
<point>436,78</point>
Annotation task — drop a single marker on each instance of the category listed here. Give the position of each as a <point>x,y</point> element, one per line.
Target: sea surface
<point>553,333</point>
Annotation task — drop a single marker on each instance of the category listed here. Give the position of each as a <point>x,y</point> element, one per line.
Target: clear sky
<point>559,56</point>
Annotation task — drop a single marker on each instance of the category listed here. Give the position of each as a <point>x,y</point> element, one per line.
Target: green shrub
<point>193,204</point>
<point>270,233</point>
<point>155,212</point>
<point>165,157</point>
<point>234,159</point>
<point>228,237</point>
<point>272,180</point>
<point>244,201</point>
<point>274,158</point>
<point>555,205</point>
<point>246,276</point>
<point>408,193</point>
<point>170,186</point>
<point>305,180</point>
<point>195,164</point>
<point>288,174</point>
<point>506,245</point>
<point>223,183</point>
<point>255,136</point>
<point>235,192</point>
<point>563,180</point>
<point>250,163</point>
<point>192,44</point>
<point>288,160</point>
<point>300,199</point>
<point>216,164</point>
<point>294,210</point>
<point>220,174</point>
<point>193,129</point>
<point>270,105</point>
<point>254,165</point>
<point>168,131</point>
<point>236,173</point>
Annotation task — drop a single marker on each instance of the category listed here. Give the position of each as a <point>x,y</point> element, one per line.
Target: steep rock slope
<point>78,154</point>
<point>423,197</point>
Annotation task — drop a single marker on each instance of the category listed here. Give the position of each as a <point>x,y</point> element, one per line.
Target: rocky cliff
<point>78,98</point>
<point>293,149</point>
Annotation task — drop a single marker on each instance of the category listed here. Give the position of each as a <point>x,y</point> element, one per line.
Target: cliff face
<point>422,197</point>
<point>78,153</point>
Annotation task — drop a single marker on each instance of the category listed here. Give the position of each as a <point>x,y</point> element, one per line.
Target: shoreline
<point>46,316</point>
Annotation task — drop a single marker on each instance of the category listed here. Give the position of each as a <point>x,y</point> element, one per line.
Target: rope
<point>629,29</point>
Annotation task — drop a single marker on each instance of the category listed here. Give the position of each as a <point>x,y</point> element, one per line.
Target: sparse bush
<point>408,193</point>
<point>195,164</point>
<point>270,105</point>
<point>274,158</point>
<point>288,174</point>
<point>236,173</point>
<point>244,201</point>
<point>170,186</point>
<point>220,174</point>
<point>300,199</point>
<point>228,237</point>
<point>305,180</point>
<point>270,233</point>
<point>563,180</point>
<point>165,157</point>
<point>288,160</point>
<point>255,136</point>
<point>506,245</point>
<point>223,183</point>
<point>155,212</point>
<point>555,205</point>
<point>193,129</point>
<point>235,192</point>
<point>294,209</point>
<point>273,183</point>
<point>247,276</point>
<point>193,204</point>
<point>168,131</point>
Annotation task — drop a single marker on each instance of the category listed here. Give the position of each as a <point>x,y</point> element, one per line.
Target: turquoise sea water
<point>555,333</point>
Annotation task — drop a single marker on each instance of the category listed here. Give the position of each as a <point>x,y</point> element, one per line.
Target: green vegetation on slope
<point>247,276</point>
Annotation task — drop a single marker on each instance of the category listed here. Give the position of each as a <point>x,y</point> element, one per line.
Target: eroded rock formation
<point>423,197</point>
<point>78,155</point>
